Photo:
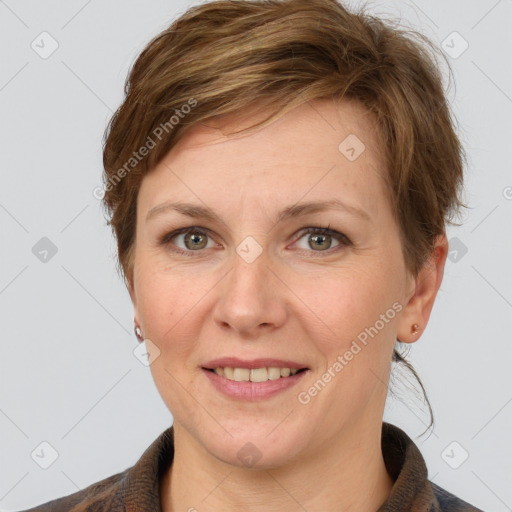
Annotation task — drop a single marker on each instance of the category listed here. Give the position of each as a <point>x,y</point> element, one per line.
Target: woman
<point>279,177</point>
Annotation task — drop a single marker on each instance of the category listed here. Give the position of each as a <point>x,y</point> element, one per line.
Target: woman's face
<point>251,283</point>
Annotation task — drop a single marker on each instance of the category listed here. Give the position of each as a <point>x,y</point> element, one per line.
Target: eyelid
<point>166,239</point>
<point>341,237</point>
<point>326,231</point>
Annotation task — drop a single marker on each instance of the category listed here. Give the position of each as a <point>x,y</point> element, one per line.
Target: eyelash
<point>343,239</point>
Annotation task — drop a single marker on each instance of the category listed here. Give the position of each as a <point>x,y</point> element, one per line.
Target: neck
<point>347,473</point>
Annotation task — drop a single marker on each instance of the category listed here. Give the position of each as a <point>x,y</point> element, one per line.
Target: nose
<point>252,297</point>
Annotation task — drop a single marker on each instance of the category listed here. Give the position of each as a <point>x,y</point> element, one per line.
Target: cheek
<point>354,331</point>
<point>167,304</point>
<point>347,302</point>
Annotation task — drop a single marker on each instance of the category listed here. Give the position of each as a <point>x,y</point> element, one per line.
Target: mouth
<point>262,374</point>
<point>256,370</point>
<point>253,380</point>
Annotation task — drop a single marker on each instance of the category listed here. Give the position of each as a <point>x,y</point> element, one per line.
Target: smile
<point>255,374</point>
<point>238,383</point>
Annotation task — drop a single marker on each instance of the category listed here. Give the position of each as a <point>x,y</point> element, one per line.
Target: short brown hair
<point>225,56</point>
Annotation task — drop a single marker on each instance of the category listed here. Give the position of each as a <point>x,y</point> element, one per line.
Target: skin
<point>294,301</point>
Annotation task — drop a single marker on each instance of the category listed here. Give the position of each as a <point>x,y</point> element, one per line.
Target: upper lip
<point>235,362</point>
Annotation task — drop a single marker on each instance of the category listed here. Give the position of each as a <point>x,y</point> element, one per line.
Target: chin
<point>253,447</point>
<point>254,456</point>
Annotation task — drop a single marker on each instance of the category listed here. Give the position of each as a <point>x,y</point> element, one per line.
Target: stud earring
<point>138,333</point>
<point>415,329</point>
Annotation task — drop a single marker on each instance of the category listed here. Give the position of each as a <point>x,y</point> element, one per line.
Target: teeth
<point>274,373</point>
<point>259,375</point>
<point>254,374</point>
<point>241,374</point>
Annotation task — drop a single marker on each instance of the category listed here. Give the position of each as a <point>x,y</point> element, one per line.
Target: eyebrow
<point>296,210</point>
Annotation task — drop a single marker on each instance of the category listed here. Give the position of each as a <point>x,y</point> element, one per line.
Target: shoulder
<point>450,503</point>
<point>412,489</point>
<point>105,491</point>
<point>135,488</point>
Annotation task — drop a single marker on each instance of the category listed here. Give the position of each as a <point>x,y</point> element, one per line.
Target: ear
<point>424,288</point>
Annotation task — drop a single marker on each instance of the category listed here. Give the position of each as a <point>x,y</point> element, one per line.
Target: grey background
<point>68,375</point>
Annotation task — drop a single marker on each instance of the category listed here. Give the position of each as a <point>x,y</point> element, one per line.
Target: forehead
<point>316,149</point>
<point>322,124</point>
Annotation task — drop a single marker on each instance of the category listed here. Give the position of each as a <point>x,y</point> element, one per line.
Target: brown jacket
<point>137,488</point>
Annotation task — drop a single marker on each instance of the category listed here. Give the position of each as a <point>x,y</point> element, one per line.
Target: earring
<point>415,329</point>
<point>138,333</point>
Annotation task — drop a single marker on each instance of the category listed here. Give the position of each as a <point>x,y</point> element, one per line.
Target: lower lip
<point>251,391</point>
